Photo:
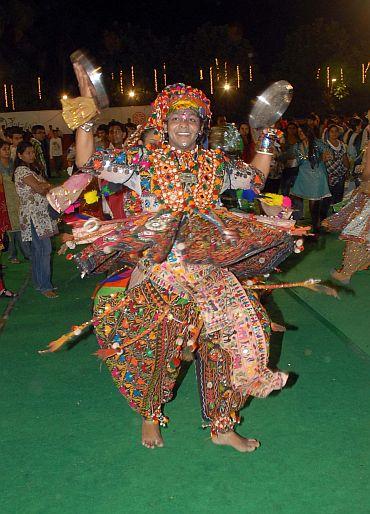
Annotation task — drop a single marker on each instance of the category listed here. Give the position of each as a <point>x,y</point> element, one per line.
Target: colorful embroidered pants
<point>148,337</point>
<point>356,257</point>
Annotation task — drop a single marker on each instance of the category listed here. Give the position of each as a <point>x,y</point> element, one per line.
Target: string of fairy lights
<point>220,74</point>
<point>330,79</point>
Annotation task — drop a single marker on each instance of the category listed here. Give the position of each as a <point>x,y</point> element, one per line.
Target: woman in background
<point>249,147</point>
<point>311,182</point>
<point>12,204</point>
<point>337,166</point>
<point>37,227</point>
<point>4,226</point>
<point>289,158</point>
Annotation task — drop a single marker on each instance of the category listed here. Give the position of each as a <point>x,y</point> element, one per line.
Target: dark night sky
<point>42,35</point>
<point>264,23</point>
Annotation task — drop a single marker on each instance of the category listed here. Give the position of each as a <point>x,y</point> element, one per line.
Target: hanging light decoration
<point>225,72</point>
<point>39,88</point>
<point>250,73</point>
<point>201,74</point>
<point>237,77</point>
<point>121,81</point>
<point>6,96</point>
<point>217,70</point>
<point>112,75</point>
<point>366,70</point>
<point>318,73</point>
<point>155,80</point>
<point>164,74</point>
<point>211,79</point>
<point>12,96</point>
<point>132,76</point>
<point>341,75</point>
<point>328,77</point>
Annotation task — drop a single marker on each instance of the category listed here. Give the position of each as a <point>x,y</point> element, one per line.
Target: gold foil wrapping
<point>77,111</point>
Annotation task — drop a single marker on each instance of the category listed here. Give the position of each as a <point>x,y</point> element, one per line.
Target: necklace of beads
<point>170,166</point>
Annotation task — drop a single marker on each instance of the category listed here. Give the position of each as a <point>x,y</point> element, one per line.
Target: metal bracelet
<point>266,142</point>
<point>88,126</point>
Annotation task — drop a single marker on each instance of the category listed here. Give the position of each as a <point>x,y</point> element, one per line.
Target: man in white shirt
<point>56,153</point>
<point>16,138</point>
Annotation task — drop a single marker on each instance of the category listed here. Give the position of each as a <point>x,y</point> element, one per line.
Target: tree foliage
<point>309,50</point>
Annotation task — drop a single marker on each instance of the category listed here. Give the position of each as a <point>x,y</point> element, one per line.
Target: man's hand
<point>83,80</point>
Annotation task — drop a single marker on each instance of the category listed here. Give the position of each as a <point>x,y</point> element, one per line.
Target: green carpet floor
<point>70,444</point>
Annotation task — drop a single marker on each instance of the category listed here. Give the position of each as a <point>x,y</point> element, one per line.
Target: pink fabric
<point>78,181</point>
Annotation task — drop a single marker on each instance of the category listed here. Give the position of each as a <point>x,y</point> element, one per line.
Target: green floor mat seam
<point>5,315</point>
<point>335,330</point>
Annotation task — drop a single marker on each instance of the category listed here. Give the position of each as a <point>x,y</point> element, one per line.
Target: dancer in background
<point>353,223</point>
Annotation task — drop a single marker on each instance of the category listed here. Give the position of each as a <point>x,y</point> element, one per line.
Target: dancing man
<point>186,251</point>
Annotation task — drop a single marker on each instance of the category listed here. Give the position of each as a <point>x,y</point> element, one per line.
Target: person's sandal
<point>50,294</point>
<point>5,293</point>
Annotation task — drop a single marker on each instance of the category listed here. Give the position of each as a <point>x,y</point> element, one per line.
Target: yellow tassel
<point>77,330</point>
<point>58,343</point>
<point>319,288</point>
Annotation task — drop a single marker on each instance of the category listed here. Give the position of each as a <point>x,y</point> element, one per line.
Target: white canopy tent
<point>26,119</point>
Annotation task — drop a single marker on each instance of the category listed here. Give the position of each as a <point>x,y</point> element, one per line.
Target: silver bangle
<point>88,126</point>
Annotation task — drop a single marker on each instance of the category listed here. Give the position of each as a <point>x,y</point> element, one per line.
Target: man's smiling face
<point>183,126</point>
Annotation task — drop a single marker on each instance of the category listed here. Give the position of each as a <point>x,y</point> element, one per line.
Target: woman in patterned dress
<point>36,225</point>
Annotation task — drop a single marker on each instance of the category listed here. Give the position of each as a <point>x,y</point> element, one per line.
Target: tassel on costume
<point>77,330</point>
<point>312,283</point>
<point>103,353</point>
<point>58,343</point>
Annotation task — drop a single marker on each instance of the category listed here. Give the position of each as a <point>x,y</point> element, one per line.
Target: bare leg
<point>151,434</point>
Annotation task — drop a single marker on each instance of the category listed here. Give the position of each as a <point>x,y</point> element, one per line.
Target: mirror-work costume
<point>353,223</point>
<point>188,258</point>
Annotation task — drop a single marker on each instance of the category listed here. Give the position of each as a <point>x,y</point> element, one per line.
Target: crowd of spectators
<point>31,162</point>
<point>312,161</point>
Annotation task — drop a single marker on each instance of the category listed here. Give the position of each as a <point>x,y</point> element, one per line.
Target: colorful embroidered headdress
<point>174,97</point>
<point>178,96</point>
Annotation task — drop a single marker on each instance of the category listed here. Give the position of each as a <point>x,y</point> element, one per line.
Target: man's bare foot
<point>151,435</point>
<point>276,327</point>
<point>284,379</point>
<point>241,444</point>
